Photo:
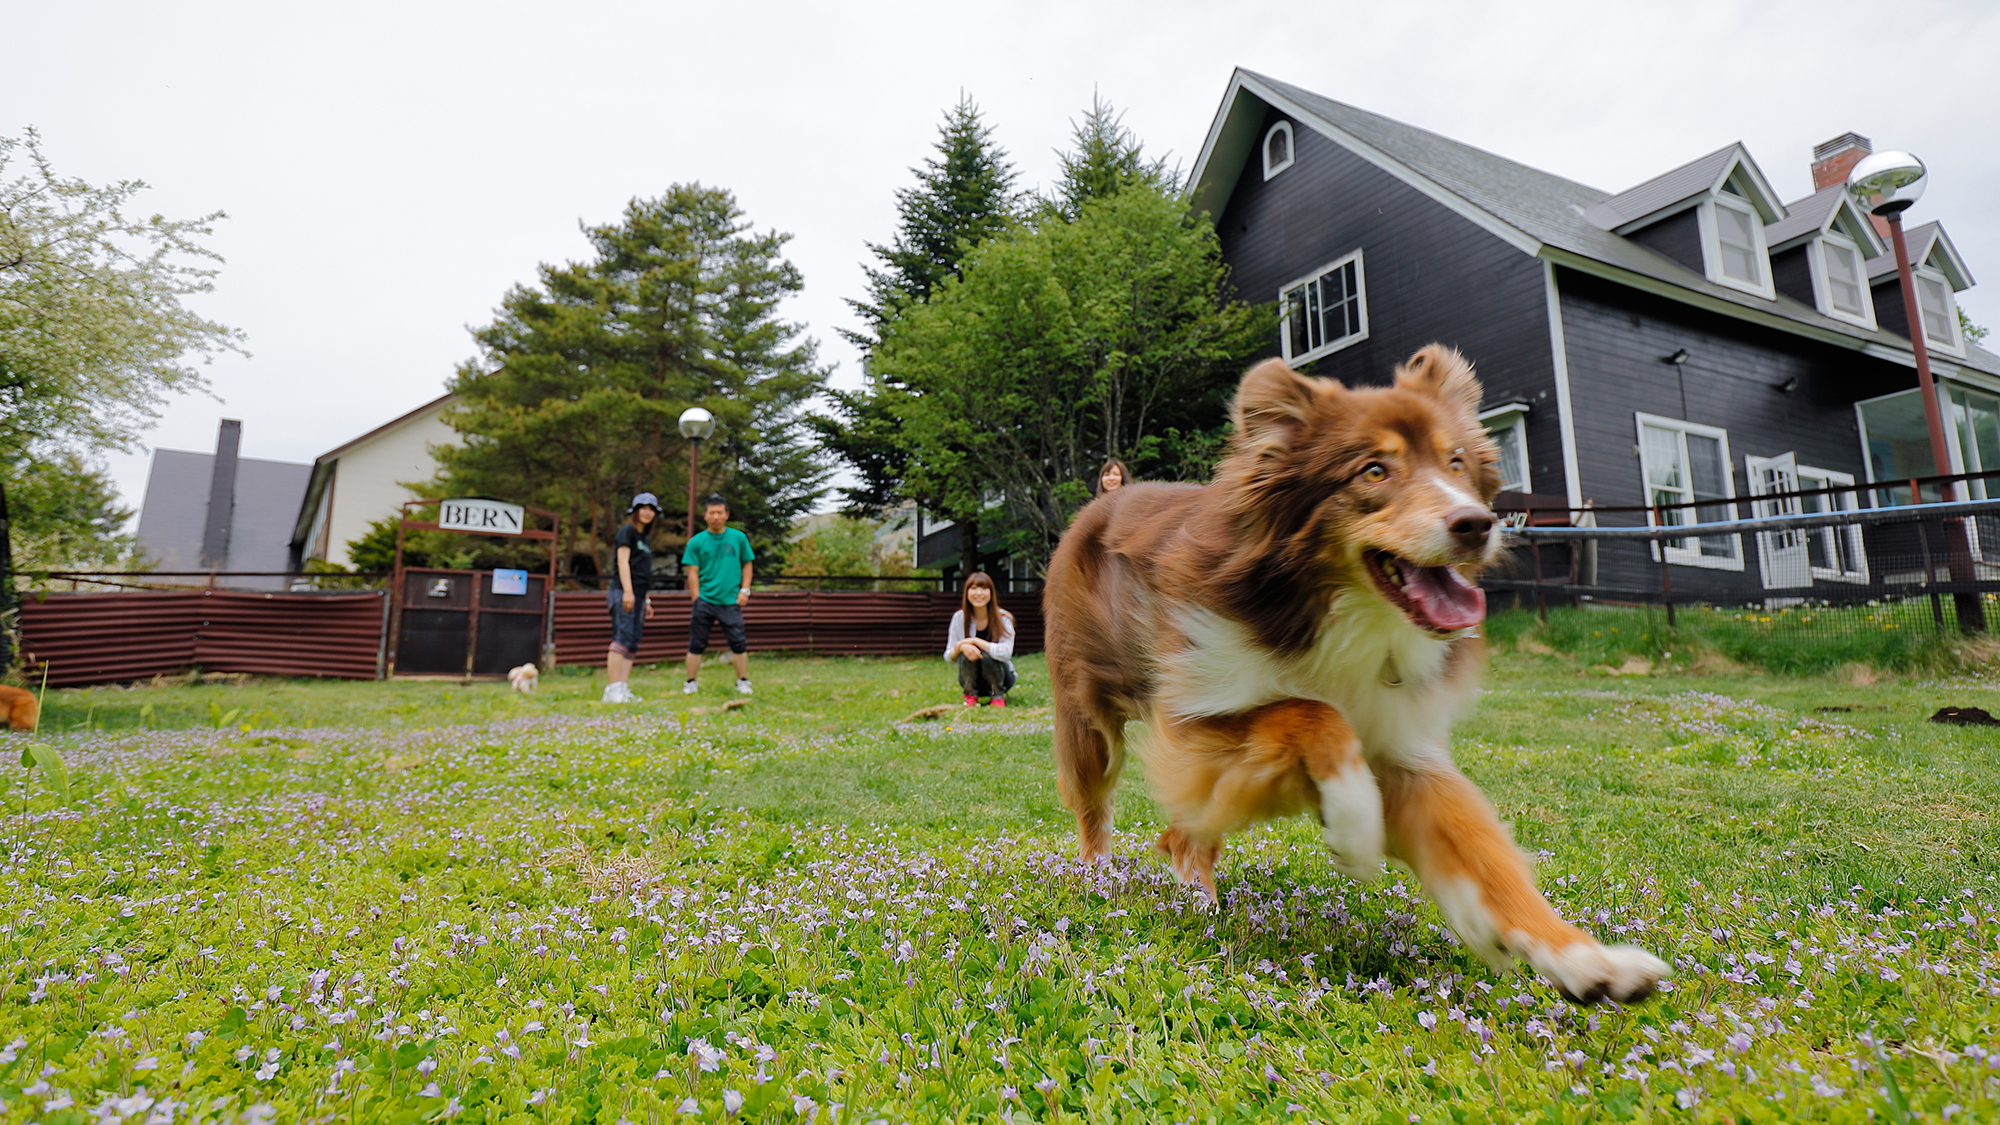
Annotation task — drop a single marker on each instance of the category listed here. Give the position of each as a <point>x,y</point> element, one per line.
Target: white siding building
<point>364,480</point>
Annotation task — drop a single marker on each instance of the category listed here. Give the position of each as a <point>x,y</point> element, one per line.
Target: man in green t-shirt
<point>717,562</point>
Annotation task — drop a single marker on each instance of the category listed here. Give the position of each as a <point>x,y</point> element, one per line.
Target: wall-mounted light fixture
<point>1789,385</point>
<point>1679,357</point>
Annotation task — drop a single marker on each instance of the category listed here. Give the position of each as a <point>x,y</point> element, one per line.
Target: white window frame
<point>1676,554</point>
<point>1511,416</point>
<point>1291,148</point>
<point>1326,347</point>
<point>1711,245</point>
<point>1822,279</point>
<point>1848,501</point>
<point>1956,345</point>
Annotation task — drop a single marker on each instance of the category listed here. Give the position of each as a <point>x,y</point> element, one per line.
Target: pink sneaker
<point>971,700</point>
<point>999,701</point>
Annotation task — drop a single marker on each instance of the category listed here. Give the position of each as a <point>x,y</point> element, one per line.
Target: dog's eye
<point>1375,473</point>
<point>1457,467</point>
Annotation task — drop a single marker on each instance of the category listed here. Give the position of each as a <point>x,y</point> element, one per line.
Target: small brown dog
<point>524,678</point>
<point>24,711</point>
<point>1300,635</point>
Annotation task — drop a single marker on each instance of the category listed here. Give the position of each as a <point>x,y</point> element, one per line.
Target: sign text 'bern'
<point>488,517</point>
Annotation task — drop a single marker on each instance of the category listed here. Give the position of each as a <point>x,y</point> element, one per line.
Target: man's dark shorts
<point>626,628</point>
<point>706,615</point>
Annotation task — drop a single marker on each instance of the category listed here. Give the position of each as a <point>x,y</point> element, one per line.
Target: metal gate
<point>453,623</point>
<point>472,623</point>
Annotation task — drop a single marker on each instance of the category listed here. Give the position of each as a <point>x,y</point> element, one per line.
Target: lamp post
<point>1885,184</point>
<point>696,425</point>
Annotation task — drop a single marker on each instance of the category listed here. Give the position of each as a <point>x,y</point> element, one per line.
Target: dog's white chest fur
<point>1382,675</point>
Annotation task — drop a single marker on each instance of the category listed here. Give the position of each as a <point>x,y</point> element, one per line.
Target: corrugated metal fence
<point>118,637</point>
<point>98,638</point>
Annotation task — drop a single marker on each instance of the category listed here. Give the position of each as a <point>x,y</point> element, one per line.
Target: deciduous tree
<point>963,196</point>
<point>93,338</point>
<point>1062,344</point>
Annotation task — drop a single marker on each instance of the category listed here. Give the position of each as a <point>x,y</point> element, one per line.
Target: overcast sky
<point>390,170</point>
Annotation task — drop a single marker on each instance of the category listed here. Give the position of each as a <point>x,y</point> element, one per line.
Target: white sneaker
<point>617,693</point>
<point>743,687</point>
<point>690,687</point>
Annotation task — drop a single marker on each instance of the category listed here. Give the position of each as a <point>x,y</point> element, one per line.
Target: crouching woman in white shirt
<point>982,643</point>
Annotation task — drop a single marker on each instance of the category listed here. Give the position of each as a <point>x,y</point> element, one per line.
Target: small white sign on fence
<point>487,517</point>
<point>510,581</point>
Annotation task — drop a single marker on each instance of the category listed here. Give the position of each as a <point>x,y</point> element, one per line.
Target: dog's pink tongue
<point>1443,598</point>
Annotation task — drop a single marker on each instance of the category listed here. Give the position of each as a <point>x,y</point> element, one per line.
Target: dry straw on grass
<point>607,873</point>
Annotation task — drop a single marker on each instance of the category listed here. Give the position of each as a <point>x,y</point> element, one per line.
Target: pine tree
<point>573,405</point>
<point>1105,159</point>
<point>963,196</point>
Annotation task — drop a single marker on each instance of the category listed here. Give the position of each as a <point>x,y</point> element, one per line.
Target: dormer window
<point>1736,232</point>
<point>1278,151</point>
<point>1844,292</point>
<point>1939,308</point>
<point>1732,231</point>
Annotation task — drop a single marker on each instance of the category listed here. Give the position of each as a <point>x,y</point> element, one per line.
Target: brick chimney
<point>1833,159</point>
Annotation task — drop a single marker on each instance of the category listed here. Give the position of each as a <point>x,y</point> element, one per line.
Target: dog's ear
<point>1443,374</point>
<point>1273,404</point>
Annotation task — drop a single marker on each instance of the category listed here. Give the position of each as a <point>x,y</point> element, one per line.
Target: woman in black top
<point>627,598</point>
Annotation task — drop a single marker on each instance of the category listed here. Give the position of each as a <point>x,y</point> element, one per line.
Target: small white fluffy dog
<point>524,677</point>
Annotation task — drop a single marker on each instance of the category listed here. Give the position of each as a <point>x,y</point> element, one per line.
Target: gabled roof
<point>428,408</point>
<point>1670,191</point>
<point>1818,213</point>
<point>1537,212</point>
<point>1924,241</point>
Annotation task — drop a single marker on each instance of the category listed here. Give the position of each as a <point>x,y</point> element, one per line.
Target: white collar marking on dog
<point>1222,669</point>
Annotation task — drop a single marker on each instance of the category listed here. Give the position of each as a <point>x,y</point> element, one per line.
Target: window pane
<point>1351,307</point>
<point>1280,150</point>
<point>1295,320</point>
<point>1512,457</point>
<point>1313,312</point>
<point>1937,321</point>
<point>1663,458</point>
<point>1899,444</point>
<point>1738,236</point>
<point>1843,280</point>
<point>1333,307</point>
<point>1709,477</point>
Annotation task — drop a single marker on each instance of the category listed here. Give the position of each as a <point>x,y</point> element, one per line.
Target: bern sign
<point>487,517</point>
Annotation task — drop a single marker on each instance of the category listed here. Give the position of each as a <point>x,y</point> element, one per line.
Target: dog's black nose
<point>1469,526</point>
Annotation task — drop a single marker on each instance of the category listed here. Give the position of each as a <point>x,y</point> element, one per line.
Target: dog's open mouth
<point>1435,598</point>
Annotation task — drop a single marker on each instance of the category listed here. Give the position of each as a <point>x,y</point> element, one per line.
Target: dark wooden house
<point>1692,338</point>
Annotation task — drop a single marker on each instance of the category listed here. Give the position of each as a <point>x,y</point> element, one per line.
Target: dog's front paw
<point>1586,972</point>
<point>1350,816</point>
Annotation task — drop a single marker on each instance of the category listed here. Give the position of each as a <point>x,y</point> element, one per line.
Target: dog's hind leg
<point>1442,826</point>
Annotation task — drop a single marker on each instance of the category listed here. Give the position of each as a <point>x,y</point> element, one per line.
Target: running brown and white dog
<point>1301,634</point>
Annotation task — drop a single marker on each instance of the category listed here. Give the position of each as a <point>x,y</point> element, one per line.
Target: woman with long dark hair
<point>1112,477</point>
<point>982,643</point>
<point>629,598</point>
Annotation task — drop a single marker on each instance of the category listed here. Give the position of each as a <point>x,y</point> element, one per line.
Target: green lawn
<point>400,902</point>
